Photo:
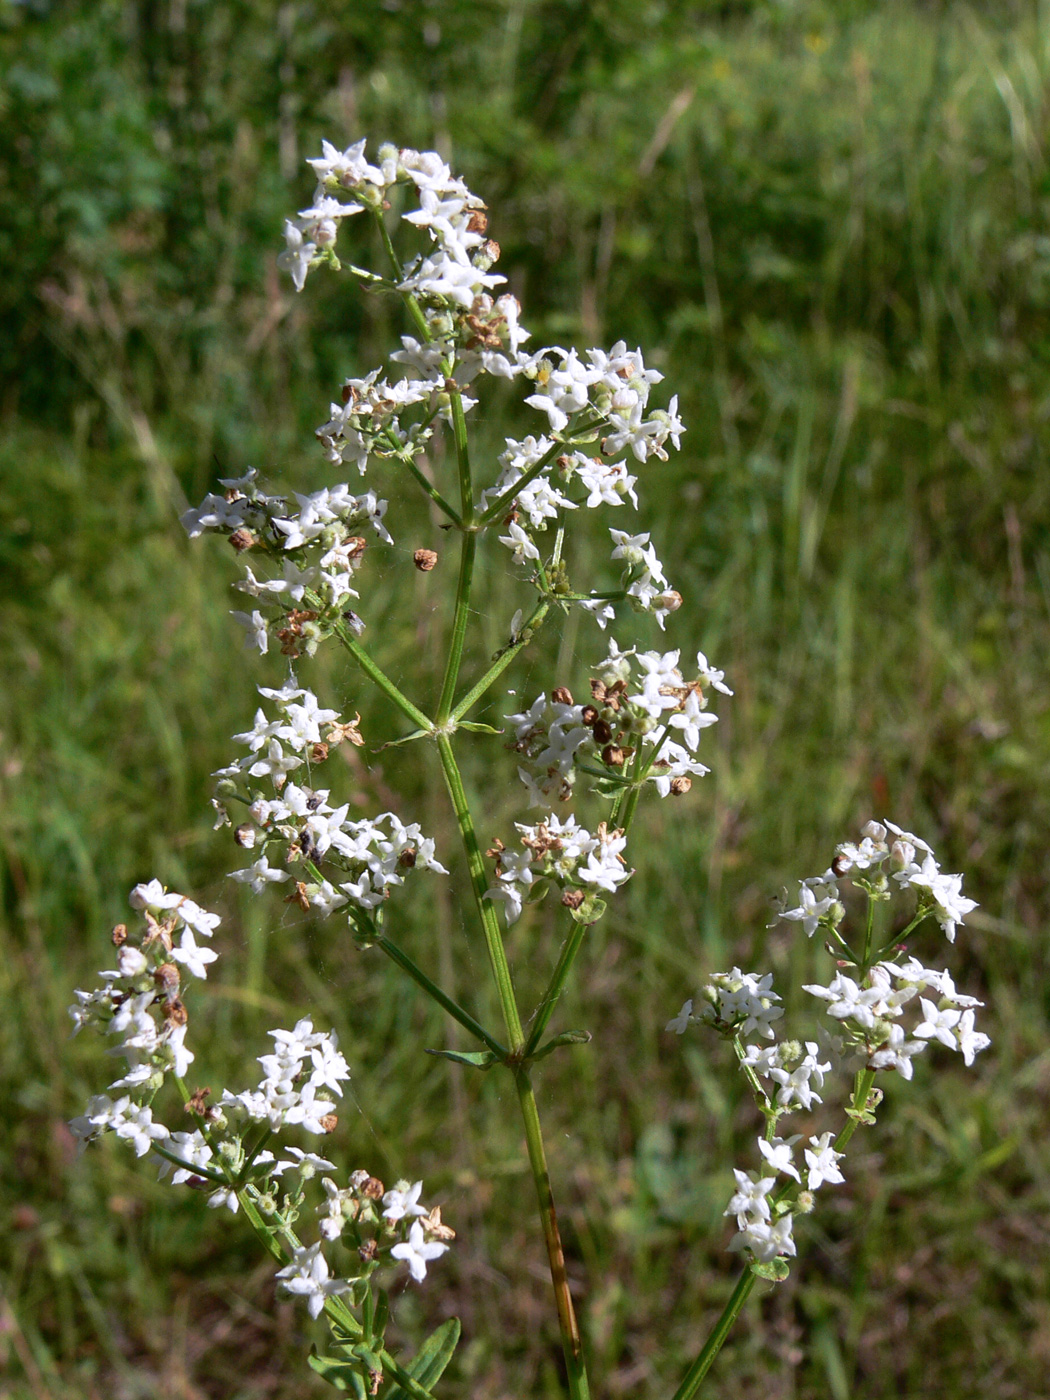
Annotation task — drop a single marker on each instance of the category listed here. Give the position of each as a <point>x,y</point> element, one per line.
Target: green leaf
<point>776,1270</point>
<point>430,1360</point>
<point>476,727</point>
<point>408,738</point>
<point>343,1375</point>
<point>477,1059</point>
<point>565,1038</point>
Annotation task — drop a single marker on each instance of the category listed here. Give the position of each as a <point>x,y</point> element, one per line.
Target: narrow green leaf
<point>340,1374</point>
<point>477,1059</point>
<point>565,1038</point>
<point>430,1360</point>
<point>476,727</point>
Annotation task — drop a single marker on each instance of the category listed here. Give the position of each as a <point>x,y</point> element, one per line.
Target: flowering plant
<point>639,729</point>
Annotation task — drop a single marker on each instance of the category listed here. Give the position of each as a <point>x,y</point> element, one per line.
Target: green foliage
<point>830,220</point>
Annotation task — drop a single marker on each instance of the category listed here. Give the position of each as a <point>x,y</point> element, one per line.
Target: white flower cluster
<point>404,1230</point>
<point>639,700</point>
<point>561,853</point>
<point>316,544</point>
<point>884,847</point>
<point>139,1002</point>
<point>870,1008</point>
<point>367,423</point>
<point>614,387</point>
<point>300,822</point>
<point>764,1227</point>
<point>735,1003</point>
<point>304,1064</point>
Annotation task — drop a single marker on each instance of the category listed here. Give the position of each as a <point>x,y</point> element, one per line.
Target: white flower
<point>971,1042</point>
<point>517,540</point>
<point>307,1277</point>
<point>403,1201</point>
<point>259,875</point>
<point>297,255</point>
<point>255,626</point>
<point>679,1024</point>
<point>417,1252</point>
<point>822,1162</point>
<point>778,1154</point>
<point>938,1024</point>
<point>809,911</point>
<point>766,1241</point>
<point>749,1200</point>
<point>896,1052</point>
<point>194,959</point>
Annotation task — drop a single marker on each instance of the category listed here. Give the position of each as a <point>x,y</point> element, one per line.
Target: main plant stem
<point>569,1327</point>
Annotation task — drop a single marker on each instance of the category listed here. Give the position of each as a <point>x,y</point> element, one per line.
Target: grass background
<point>828,224</point>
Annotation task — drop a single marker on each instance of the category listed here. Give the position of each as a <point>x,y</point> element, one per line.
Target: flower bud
<point>245,835</point>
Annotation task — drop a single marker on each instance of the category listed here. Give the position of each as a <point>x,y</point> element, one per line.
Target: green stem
<point>479,882</point>
<point>459,433</point>
<point>432,491</point>
<point>395,954</point>
<point>411,304</point>
<point>499,506</point>
<point>474,694</point>
<point>572,1345</point>
<point>560,975</point>
<point>459,627</point>
<point>700,1367</point>
<point>380,678</point>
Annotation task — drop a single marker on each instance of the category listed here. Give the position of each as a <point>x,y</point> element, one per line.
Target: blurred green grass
<point>828,223</point>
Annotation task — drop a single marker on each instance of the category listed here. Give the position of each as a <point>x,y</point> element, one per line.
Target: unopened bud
<point>562,695</point>
<point>804,1202</point>
<point>245,835</point>
<point>668,602</point>
<point>119,935</point>
<point>572,899</point>
<point>613,756</point>
<point>680,786</point>
<point>424,560</point>
<point>841,864</point>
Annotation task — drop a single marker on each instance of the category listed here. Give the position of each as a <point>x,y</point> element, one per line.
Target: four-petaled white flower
<point>417,1252</point>
<point>307,1277</point>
